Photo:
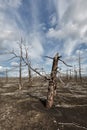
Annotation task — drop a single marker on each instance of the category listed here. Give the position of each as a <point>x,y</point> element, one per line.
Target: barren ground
<point>24,109</point>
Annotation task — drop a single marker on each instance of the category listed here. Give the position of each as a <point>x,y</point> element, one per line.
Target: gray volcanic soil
<point>24,109</point>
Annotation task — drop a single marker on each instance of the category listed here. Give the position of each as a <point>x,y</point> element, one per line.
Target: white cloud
<point>10,32</point>
<point>14,63</point>
<point>69,46</point>
<point>72,25</point>
<point>2,68</point>
<point>10,3</point>
<point>36,46</point>
<point>61,6</point>
<point>75,11</point>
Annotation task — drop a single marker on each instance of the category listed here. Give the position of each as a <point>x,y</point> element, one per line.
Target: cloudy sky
<point>47,27</point>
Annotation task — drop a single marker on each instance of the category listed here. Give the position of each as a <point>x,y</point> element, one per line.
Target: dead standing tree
<point>80,75</point>
<point>20,66</point>
<point>22,58</point>
<point>53,80</point>
<point>29,63</point>
<point>75,73</point>
<point>6,73</point>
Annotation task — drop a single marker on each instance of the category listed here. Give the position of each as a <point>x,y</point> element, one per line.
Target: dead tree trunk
<point>52,83</point>
<point>6,75</point>
<point>75,73</point>
<point>70,74</point>
<point>20,66</point>
<point>67,75</point>
<point>29,73</point>
<point>20,79</point>
<point>80,76</point>
<point>28,64</point>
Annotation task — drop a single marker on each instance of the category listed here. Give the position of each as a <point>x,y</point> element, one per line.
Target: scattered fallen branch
<point>73,124</point>
<point>61,81</point>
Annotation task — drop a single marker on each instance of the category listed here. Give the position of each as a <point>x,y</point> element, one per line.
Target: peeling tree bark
<point>52,83</point>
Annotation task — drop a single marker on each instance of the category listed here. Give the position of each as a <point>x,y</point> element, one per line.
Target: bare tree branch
<point>48,57</point>
<point>15,55</point>
<point>12,58</point>
<point>65,63</point>
<point>5,53</point>
<point>52,57</point>
<point>39,73</point>
<point>34,69</point>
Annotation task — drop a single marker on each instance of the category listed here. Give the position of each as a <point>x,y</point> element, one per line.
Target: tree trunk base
<point>49,104</point>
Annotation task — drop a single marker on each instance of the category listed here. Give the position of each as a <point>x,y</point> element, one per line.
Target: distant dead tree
<point>23,59</point>
<point>6,75</point>
<point>29,62</point>
<point>20,44</point>
<point>75,73</point>
<point>20,65</point>
<point>70,74</point>
<point>79,60</point>
<point>42,70</point>
<point>19,56</point>
<point>67,74</point>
